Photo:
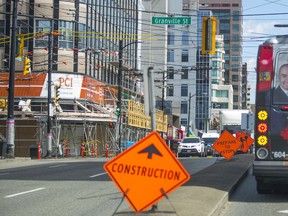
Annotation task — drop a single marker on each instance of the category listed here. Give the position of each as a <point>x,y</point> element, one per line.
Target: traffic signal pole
<point>10,132</point>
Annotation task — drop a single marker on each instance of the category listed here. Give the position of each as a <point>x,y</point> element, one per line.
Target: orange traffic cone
<point>39,151</point>
<point>82,150</point>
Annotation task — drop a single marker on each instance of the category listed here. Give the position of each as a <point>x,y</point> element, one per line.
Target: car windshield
<point>191,140</point>
<point>209,140</point>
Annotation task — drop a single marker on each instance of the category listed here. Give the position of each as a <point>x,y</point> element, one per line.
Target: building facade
<point>229,14</point>
<point>172,54</point>
<point>89,47</point>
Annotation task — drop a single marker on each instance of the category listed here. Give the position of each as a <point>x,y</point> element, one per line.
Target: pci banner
<point>72,86</point>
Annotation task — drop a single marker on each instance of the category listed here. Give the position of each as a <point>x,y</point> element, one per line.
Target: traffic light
<point>27,67</point>
<point>118,109</point>
<point>3,103</point>
<point>111,124</point>
<point>19,46</point>
<point>208,35</point>
<point>56,94</point>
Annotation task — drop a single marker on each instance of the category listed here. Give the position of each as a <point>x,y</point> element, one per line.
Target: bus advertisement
<point>270,166</point>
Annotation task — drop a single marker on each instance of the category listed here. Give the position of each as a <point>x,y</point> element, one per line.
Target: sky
<point>259,18</point>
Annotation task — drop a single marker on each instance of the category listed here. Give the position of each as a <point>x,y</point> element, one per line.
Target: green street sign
<point>171,20</point>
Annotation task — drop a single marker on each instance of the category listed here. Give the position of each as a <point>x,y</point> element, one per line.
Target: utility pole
<point>119,96</point>
<point>49,102</point>
<point>10,115</point>
<point>189,108</point>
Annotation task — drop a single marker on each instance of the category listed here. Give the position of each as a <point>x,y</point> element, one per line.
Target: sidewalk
<point>206,192</point>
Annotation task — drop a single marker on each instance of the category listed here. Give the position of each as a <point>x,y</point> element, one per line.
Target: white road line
<point>59,165</point>
<point>25,192</point>
<point>284,211</point>
<point>3,174</point>
<point>93,176</point>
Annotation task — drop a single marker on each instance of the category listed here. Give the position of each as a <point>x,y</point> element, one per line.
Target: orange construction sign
<point>146,172</point>
<point>226,145</point>
<point>246,141</point>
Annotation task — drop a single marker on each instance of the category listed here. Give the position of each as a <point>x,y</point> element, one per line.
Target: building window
<point>235,15</point>
<point>184,121</point>
<point>222,93</point>
<point>184,107</point>
<point>235,88</point>
<point>235,67</point>
<point>235,78</point>
<point>235,27</point>
<point>170,90</point>
<point>170,55</point>
<point>170,74</point>
<point>171,38</point>
<point>235,58</point>
<point>235,37</point>
<point>235,98</point>
<point>82,36</point>
<point>185,38</point>
<point>42,26</point>
<point>184,90</point>
<point>185,56</point>
<point>235,47</point>
<point>184,71</point>
<point>64,28</point>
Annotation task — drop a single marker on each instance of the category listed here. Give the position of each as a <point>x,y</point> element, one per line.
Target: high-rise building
<point>78,43</point>
<point>172,54</point>
<point>229,15</point>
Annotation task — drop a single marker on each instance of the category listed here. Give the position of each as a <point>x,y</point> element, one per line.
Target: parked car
<point>191,146</point>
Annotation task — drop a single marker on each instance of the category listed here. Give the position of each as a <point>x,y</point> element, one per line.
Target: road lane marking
<point>25,192</point>
<point>283,211</point>
<point>59,165</point>
<point>100,174</point>
<point>3,174</point>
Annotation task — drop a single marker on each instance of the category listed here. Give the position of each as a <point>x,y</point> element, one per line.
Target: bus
<point>270,166</point>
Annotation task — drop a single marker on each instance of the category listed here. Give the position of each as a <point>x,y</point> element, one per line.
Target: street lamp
<point>188,125</point>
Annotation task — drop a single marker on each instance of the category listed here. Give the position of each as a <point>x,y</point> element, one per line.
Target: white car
<point>190,146</point>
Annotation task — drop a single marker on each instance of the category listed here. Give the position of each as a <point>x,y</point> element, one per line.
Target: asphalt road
<point>246,201</point>
<point>66,188</point>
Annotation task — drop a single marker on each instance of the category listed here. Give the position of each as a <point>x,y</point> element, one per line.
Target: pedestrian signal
<point>208,35</point>
<point>27,67</point>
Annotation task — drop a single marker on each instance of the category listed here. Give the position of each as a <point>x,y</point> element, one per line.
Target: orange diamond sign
<point>146,172</point>
<point>226,145</point>
<point>246,141</point>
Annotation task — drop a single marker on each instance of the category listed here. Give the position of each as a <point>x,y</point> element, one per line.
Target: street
<point>246,201</point>
<point>66,188</point>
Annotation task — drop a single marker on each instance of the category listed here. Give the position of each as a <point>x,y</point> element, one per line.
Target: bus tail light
<point>265,67</point>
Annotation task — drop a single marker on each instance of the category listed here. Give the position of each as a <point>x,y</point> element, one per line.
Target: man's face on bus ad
<point>283,77</point>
